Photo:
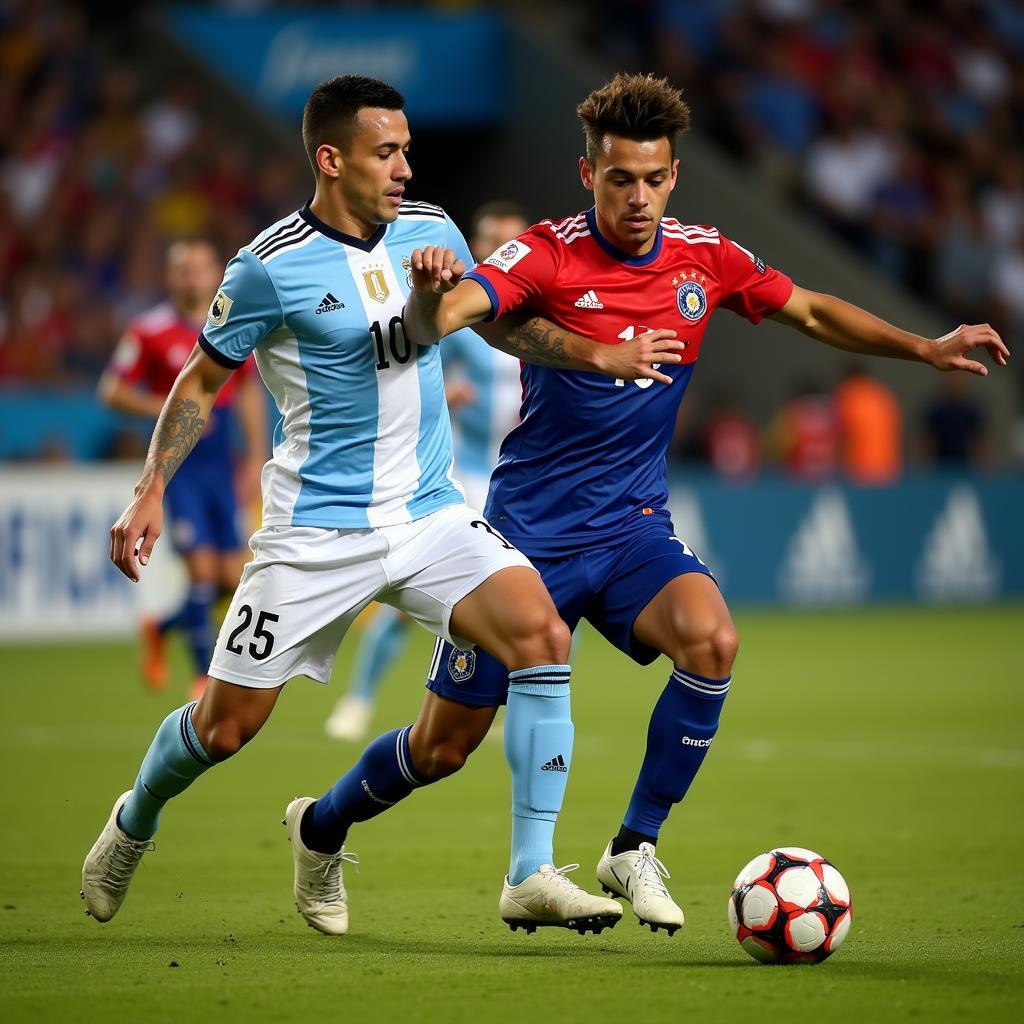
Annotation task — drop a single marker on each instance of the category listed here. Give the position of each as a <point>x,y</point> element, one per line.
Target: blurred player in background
<point>204,498</point>
<point>484,392</point>
<point>581,484</point>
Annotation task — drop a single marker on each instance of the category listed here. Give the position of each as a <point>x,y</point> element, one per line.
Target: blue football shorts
<point>202,509</point>
<point>608,587</point>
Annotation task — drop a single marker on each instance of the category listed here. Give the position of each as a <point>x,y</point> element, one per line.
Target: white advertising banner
<point>56,579</point>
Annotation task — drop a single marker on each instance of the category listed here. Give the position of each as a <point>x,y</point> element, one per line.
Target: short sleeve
<point>520,271</point>
<point>243,312</point>
<point>749,286</point>
<point>128,360</point>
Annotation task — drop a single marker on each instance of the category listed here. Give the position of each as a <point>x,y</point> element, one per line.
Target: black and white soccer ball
<point>790,906</point>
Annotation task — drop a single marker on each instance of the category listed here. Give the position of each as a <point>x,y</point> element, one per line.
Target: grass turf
<point>888,740</point>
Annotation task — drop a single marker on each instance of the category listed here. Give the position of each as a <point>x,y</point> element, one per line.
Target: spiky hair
<point>639,107</point>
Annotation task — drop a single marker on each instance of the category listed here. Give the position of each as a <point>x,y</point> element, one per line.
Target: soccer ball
<point>790,906</point>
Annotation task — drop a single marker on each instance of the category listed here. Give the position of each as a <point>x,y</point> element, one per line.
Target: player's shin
<point>378,780</point>
<point>538,747</point>
<point>175,759</point>
<point>682,727</point>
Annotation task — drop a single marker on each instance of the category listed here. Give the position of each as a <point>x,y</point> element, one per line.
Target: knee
<point>541,638</point>
<point>441,759</point>
<point>223,739</point>
<point>709,651</point>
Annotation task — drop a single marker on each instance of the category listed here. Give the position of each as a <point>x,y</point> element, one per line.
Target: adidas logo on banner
<point>328,304</point>
<point>556,764</point>
<point>589,301</point>
<point>823,564</point>
<point>957,563</point>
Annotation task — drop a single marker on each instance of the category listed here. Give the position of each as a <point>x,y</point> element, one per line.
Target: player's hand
<point>950,351</point>
<point>638,359</point>
<point>435,269</point>
<point>132,537</point>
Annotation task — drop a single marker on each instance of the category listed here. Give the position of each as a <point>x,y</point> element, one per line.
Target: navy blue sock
<point>683,724</point>
<point>378,780</point>
<point>195,621</point>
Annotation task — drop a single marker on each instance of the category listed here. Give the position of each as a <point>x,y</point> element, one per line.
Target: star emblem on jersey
<point>690,295</point>
<point>589,301</point>
<point>376,284</point>
<point>329,303</point>
<point>462,664</point>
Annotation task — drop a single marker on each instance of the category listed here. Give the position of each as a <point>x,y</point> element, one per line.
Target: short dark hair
<point>332,107</point>
<point>639,107</point>
<point>499,209</point>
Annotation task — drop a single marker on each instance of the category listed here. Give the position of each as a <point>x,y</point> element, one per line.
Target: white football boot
<point>319,889</point>
<point>637,875</point>
<point>109,866</point>
<point>350,719</point>
<point>550,899</point>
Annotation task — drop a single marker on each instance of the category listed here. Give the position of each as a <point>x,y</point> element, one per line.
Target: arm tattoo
<point>179,428</point>
<point>539,342</point>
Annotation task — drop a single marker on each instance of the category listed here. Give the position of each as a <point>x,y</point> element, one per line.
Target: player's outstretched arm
<point>848,327</point>
<point>440,303</point>
<point>536,340</point>
<point>178,428</point>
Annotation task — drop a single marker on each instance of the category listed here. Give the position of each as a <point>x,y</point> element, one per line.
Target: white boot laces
<point>560,876</point>
<point>330,880</point>
<point>125,855</point>
<point>651,871</point>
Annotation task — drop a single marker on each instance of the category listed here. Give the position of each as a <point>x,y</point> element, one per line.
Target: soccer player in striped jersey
<point>483,391</point>
<point>581,483</point>
<point>359,504</point>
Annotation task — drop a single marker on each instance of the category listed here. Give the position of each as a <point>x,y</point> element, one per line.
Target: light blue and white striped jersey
<point>364,439</point>
<point>482,423</point>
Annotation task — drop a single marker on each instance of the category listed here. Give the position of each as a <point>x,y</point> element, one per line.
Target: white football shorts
<point>306,584</point>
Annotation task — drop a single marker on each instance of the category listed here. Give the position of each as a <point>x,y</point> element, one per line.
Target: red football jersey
<point>587,464</point>
<point>573,275</point>
<point>155,347</point>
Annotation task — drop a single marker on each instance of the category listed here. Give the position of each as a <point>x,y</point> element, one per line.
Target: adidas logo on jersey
<point>556,764</point>
<point>589,301</point>
<point>328,304</point>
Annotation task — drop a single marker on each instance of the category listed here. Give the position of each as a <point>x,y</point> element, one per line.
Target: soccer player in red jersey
<point>580,485</point>
<point>202,502</point>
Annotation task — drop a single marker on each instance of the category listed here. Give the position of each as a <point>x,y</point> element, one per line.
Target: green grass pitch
<point>888,740</point>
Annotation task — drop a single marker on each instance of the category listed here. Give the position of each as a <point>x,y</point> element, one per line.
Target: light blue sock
<point>174,761</point>
<point>538,747</point>
<point>381,645</point>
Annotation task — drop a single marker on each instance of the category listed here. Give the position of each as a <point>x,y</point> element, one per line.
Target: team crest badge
<point>407,267</point>
<point>220,308</point>
<point>690,295</point>
<point>376,284</point>
<point>462,664</point>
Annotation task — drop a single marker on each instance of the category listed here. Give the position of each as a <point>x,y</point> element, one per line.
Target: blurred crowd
<point>899,122</point>
<point>853,431</point>
<point>98,172</point>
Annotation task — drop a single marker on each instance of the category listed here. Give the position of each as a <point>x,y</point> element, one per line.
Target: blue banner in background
<point>448,66</point>
<point>929,538</point>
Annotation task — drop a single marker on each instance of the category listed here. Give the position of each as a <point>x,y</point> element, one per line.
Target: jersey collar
<point>618,254</point>
<point>366,244</point>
